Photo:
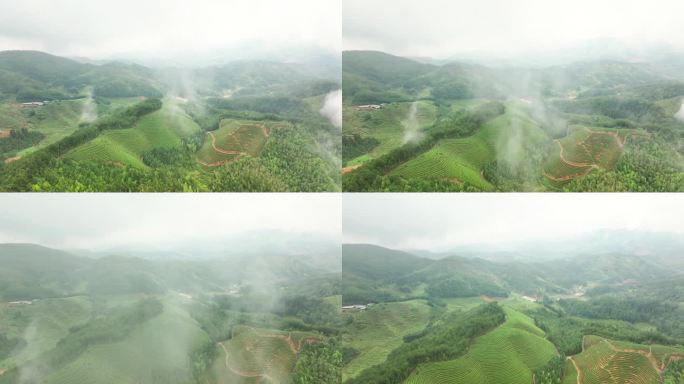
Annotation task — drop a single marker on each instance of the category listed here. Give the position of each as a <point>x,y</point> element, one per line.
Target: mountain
<point>378,263</point>
<point>33,272</point>
<point>37,76</point>
<point>372,273</point>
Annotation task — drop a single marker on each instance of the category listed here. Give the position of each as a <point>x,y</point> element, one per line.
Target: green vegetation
<point>626,328</point>
<point>372,334</point>
<point>74,319</point>
<point>443,341</point>
<point>120,127</point>
<point>598,126</point>
<point>508,354</point>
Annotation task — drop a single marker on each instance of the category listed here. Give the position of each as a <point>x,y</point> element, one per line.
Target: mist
<point>332,108</point>
<point>172,31</point>
<point>442,221</point>
<point>500,29</point>
<point>89,111</point>
<point>411,128</point>
<point>161,221</point>
<point>680,114</point>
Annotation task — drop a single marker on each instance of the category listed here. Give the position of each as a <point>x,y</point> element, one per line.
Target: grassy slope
<point>385,125</point>
<point>56,120</point>
<point>156,352</point>
<point>508,354</point>
<point>380,329</point>
<point>161,129</point>
<point>464,158</point>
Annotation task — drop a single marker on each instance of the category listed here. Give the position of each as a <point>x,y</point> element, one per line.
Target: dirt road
<point>239,372</point>
<point>579,371</point>
<point>569,162</point>
<point>220,150</point>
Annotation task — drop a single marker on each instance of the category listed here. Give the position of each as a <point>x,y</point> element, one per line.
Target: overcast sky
<point>102,221</point>
<point>104,28</point>
<point>438,222</point>
<point>443,28</point>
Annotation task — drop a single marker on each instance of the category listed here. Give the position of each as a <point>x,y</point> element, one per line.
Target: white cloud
<point>332,107</point>
<point>442,28</point>
<point>99,221</point>
<point>100,29</point>
<point>441,221</point>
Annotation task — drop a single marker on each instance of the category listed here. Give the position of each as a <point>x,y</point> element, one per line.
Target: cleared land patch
<point>584,150</point>
<point>253,354</point>
<point>606,361</point>
<point>233,139</point>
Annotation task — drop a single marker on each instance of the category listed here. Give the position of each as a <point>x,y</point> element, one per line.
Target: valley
<point>584,126</point>
<point>455,319</point>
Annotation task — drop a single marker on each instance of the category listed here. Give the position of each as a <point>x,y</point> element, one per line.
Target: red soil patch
<point>350,169</point>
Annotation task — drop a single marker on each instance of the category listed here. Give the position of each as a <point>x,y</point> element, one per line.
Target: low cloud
<point>332,108</point>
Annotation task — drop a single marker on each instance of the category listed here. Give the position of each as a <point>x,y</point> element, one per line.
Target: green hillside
<point>375,332</point>
<point>106,319</point>
<point>509,354</point>
<point>614,120</point>
<point>161,129</point>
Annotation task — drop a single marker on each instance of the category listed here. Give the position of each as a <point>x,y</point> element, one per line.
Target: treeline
<point>552,373</point>
<point>319,363</point>
<point>356,145</point>
<point>566,332</point>
<point>663,314</point>
<point>464,287</point>
<point>446,340</point>
<point>372,175</point>
<point>20,176</point>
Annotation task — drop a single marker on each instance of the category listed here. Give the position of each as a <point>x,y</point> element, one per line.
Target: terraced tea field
<point>464,159</point>
<point>508,354</point>
<point>606,361</point>
<point>380,329</point>
<point>233,139</point>
<point>161,129</point>
<point>254,354</point>
<point>584,150</point>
